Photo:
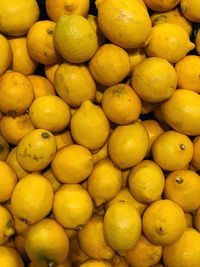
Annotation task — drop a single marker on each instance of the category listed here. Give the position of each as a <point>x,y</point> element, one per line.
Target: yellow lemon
<point>169,41</point>
<point>146,181</point>
<point>74,83</point>
<point>122,227</point>
<point>94,23</point>
<point>154,79</point>
<point>20,227</point>
<point>41,85</point>
<point>124,195</point>
<point>163,222</point>
<point>46,243</point>
<point>50,70</point>
<point>196,158</point>
<point>89,126</point>
<point>40,42</point>
<point>172,151</point>
<point>14,164</point>
<point>161,5</point>
<point>126,24</point>
<point>96,263</point>
<point>63,138</point>
<point>105,182</point>
<point>32,193</point>
<point>182,112</point>
<point>188,73</point>
<point>10,257</point>
<point>14,129</point>
<point>128,145</point>
<point>144,254</point>
<point>56,8</point>
<point>190,9</point>
<point>76,254</point>
<point>185,251</point>
<point>22,62</point>
<point>6,225</point>
<point>72,206</point>
<point>50,112</point>
<point>18,16</point>
<point>136,55</point>
<point>92,242</point>
<point>8,181</point>
<point>110,65</point>
<point>72,164</point>
<point>4,148</point>
<point>121,104</point>
<point>119,261</point>
<point>74,38</point>
<point>16,93</point>
<point>51,177</point>
<point>183,187</point>
<point>36,150</point>
<point>154,129</point>
<point>19,242</point>
<point>101,153</point>
<point>6,54</point>
<point>197,42</point>
<point>172,16</point>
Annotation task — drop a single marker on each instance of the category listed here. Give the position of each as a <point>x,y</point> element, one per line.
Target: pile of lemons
<point>100,151</point>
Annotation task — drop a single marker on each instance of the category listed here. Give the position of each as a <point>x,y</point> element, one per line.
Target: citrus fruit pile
<point>99,133</point>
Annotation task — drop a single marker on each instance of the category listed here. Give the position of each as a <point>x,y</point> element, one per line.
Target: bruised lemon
<point>36,150</point>
<point>121,104</point>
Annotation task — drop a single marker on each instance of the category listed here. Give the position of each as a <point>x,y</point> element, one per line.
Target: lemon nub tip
<point>182,147</point>
<point>184,8</point>
<point>49,31</point>
<point>9,231</point>
<point>80,227</point>
<point>12,113</point>
<point>52,264</point>
<point>179,180</point>
<point>45,135</point>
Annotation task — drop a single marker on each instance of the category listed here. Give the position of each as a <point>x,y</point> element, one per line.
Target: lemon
<point>122,227</point>
<point>74,38</point>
